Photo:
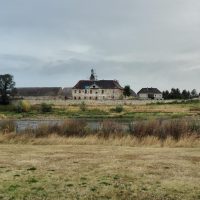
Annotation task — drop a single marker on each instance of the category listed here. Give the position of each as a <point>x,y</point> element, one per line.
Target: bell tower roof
<point>92,76</point>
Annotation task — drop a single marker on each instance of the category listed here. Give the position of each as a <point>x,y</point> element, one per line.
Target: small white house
<point>150,93</point>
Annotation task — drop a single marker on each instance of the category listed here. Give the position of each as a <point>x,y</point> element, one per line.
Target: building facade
<point>150,93</point>
<point>94,89</point>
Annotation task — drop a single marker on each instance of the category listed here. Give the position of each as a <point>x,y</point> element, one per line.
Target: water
<point>22,125</point>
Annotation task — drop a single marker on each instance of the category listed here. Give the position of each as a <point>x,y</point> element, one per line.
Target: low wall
<point>59,102</point>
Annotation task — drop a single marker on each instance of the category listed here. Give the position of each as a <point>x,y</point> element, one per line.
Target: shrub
<point>110,128</point>
<point>67,128</point>
<point>83,106</point>
<point>74,128</point>
<point>194,126</point>
<point>46,107</point>
<point>118,109</point>
<point>7,126</point>
<point>23,106</point>
<point>161,129</point>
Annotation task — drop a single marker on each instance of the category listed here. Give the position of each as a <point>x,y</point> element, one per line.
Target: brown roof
<point>39,91</point>
<point>104,84</point>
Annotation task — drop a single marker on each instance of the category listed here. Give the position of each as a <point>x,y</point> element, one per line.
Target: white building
<point>150,93</point>
<point>94,89</point>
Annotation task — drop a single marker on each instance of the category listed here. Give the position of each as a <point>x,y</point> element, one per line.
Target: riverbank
<point>98,172</point>
<point>176,133</point>
<point>159,110</point>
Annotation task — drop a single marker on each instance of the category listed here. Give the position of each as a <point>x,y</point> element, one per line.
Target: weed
<point>12,188</point>
<point>117,109</point>
<point>31,169</point>
<point>83,106</point>
<point>70,185</point>
<point>32,180</point>
<point>7,126</point>
<point>23,106</point>
<point>46,108</point>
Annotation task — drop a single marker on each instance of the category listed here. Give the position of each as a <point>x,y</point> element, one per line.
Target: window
<point>74,91</point>
<point>102,91</point>
<point>75,98</point>
<point>79,98</point>
<point>90,98</point>
<point>84,97</point>
<point>93,86</point>
<point>90,91</point>
<point>79,91</point>
<point>85,91</point>
<point>96,98</point>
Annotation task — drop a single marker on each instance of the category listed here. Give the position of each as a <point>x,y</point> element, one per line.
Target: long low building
<point>39,92</point>
<point>94,89</point>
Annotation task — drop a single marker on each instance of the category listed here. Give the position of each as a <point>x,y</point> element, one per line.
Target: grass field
<point>98,172</point>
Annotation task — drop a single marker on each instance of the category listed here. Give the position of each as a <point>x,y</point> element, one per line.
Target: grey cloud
<point>138,42</point>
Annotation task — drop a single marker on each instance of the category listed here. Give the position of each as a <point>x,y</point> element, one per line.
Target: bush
<point>23,106</point>
<point>161,129</point>
<point>110,128</point>
<point>7,126</point>
<point>118,109</point>
<point>66,128</point>
<point>83,106</point>
<point>46,107</point>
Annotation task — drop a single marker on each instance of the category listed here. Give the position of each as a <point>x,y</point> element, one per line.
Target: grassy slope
<point>137,112</point>
<point>98,172</point>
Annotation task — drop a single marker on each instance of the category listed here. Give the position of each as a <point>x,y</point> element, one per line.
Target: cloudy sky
<point>143,43</point>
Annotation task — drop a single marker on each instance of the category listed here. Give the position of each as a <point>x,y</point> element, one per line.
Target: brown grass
<point>175,133</point>
<point>98,172</point>
<point>54,139</point>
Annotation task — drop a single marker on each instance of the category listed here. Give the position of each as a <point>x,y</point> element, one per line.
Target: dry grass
<point>176,133</point>
<point>98,172</point>
<point>54,139</point>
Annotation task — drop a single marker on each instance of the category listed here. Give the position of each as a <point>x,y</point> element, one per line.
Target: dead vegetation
<point>173,133</point>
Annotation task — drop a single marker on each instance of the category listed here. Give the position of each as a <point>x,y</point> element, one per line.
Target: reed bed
<point>174,133</point>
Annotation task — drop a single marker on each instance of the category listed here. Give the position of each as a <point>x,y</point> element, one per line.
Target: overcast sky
<point>143,43</point>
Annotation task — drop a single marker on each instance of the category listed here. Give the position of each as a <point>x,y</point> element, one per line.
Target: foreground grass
<point>98,172</point>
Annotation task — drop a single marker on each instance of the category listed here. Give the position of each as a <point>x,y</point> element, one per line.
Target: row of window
<point>88,91</point>
<point>90,98</point>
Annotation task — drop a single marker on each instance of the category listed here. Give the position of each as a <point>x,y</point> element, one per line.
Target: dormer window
<point>93,86</point>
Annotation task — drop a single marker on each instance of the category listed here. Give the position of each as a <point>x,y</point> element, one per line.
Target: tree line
<point>176,93</point>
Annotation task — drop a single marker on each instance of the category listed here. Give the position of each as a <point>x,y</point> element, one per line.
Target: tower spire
<point>92,77</point>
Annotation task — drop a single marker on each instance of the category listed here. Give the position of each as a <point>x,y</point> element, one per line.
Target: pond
<point>22,125</point>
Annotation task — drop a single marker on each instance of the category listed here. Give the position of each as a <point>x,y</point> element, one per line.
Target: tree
<point>127,91</point>
<point>194,93</point>
<point>185,94</point>
<point>175,93</point>
<point>6,86</point>
<point>166,94</point>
